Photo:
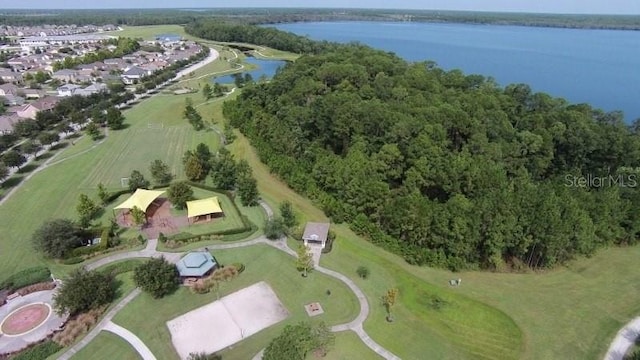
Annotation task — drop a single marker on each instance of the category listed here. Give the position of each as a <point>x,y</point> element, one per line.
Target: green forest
<point>135,17</point>
<point>446,169</point>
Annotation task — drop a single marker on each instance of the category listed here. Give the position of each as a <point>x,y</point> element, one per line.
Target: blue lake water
<point>264,67</point>
<point>599,67</point>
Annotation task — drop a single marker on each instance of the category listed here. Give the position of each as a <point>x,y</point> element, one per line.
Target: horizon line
<point>320,8</point>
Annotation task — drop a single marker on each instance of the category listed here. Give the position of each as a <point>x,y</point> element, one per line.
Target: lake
<point>599,67</point>
<point>264,67</point>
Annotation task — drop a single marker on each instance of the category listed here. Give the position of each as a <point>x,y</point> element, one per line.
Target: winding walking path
<point>624,340</point>
<point>132,339</point>
<point>150,250</point>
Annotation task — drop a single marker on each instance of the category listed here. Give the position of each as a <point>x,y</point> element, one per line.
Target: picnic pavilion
<point>141,199</point>
<point>203,209</point>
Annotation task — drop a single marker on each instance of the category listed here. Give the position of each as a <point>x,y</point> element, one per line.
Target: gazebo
<point>196,264</point>
<point>208,206</point>
<point>141,199</point>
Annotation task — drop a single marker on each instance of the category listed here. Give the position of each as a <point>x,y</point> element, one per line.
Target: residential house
<point>92,89</point>
<point>13,100</point>
<point>68,90</point>
<point>10,76</point>
<point>7,122</point>
<point>66,75</point>
<point>33,93</point>
<point>8,89</point>
<point>133,75</point>
<point>31,110</point>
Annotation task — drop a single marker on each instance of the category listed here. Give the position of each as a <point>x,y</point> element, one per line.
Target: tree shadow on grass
<point>58,146</point>
<point>117,284</point>
<point>11,182</point>
<point>28,168</point>
<point>44,156</point>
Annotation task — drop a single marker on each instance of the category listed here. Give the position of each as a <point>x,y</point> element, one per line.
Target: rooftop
<point>196,264</point>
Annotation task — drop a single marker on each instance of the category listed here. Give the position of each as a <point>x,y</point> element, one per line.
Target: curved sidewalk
<point>132,339</point>
<point>624,340</point>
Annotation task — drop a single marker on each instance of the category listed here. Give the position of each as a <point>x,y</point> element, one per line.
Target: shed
<point>316,232</point>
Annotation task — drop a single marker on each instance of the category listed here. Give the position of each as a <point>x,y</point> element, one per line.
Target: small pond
<point>264,67</point>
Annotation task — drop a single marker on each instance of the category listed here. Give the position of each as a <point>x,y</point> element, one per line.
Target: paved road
<point>132,339</point>
<point>624,340</point>
<point>96,330</point>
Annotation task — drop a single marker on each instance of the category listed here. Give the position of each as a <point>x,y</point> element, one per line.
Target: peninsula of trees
<point>444,168</point>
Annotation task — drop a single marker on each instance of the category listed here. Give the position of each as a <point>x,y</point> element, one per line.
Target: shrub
<point>26,277</point>
<point>239,267</point>
<point>162,238</point>
<point>73,260</point>
<point>363,272</point>
<point>39,351</point>
<point>157,277</point>
<point>274,229</point>
<point>77,327</point>
<point>36,287</point>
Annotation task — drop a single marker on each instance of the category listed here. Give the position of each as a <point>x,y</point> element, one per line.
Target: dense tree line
<point>444,168</point>
<point>288,15</point>
<point>234,32</point>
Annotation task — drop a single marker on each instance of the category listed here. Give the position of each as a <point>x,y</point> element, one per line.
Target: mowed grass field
<point>108,346</point>
<point>53,192</point>
<point>572,312</point>
<point>147,317</point>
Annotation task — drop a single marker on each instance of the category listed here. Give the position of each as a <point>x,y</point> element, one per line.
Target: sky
<point>539,6</point>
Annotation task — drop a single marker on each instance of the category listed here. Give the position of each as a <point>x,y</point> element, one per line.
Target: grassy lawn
<point>146,317</point>
<point>148,32</point>
<point>348,346</point>
<point>107,346</point>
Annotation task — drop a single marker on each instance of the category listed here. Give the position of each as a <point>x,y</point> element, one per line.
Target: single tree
<point>93,131</point>
<point>191,114</point>
<point>30,147</point>
<point>103,194</point>
<point>48,138</point>
<point>137,181</point>
<point>160,172</point>
<point>13,158</point>
<point>207,91</point>
<point>203,153</point>
<point>304,262</point>
<point>4,171</point>
<point>288,216</point>
<point>84,290</point>
<point>389,300</point>
<point>179,194</point>
<point>218,90</point>
<point>138,215</point>
<point>56,238</point>
<point>229,135</point>
<point>223,170</point>
<point>297,341</point>
<point>363,272</point>
<point>64,127</point>
<point>86,209</point>
<point>193,168</point>
<point>115,119</point>
<point>274,229</point>
<point>157,276</point>
<point>248,191</point>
